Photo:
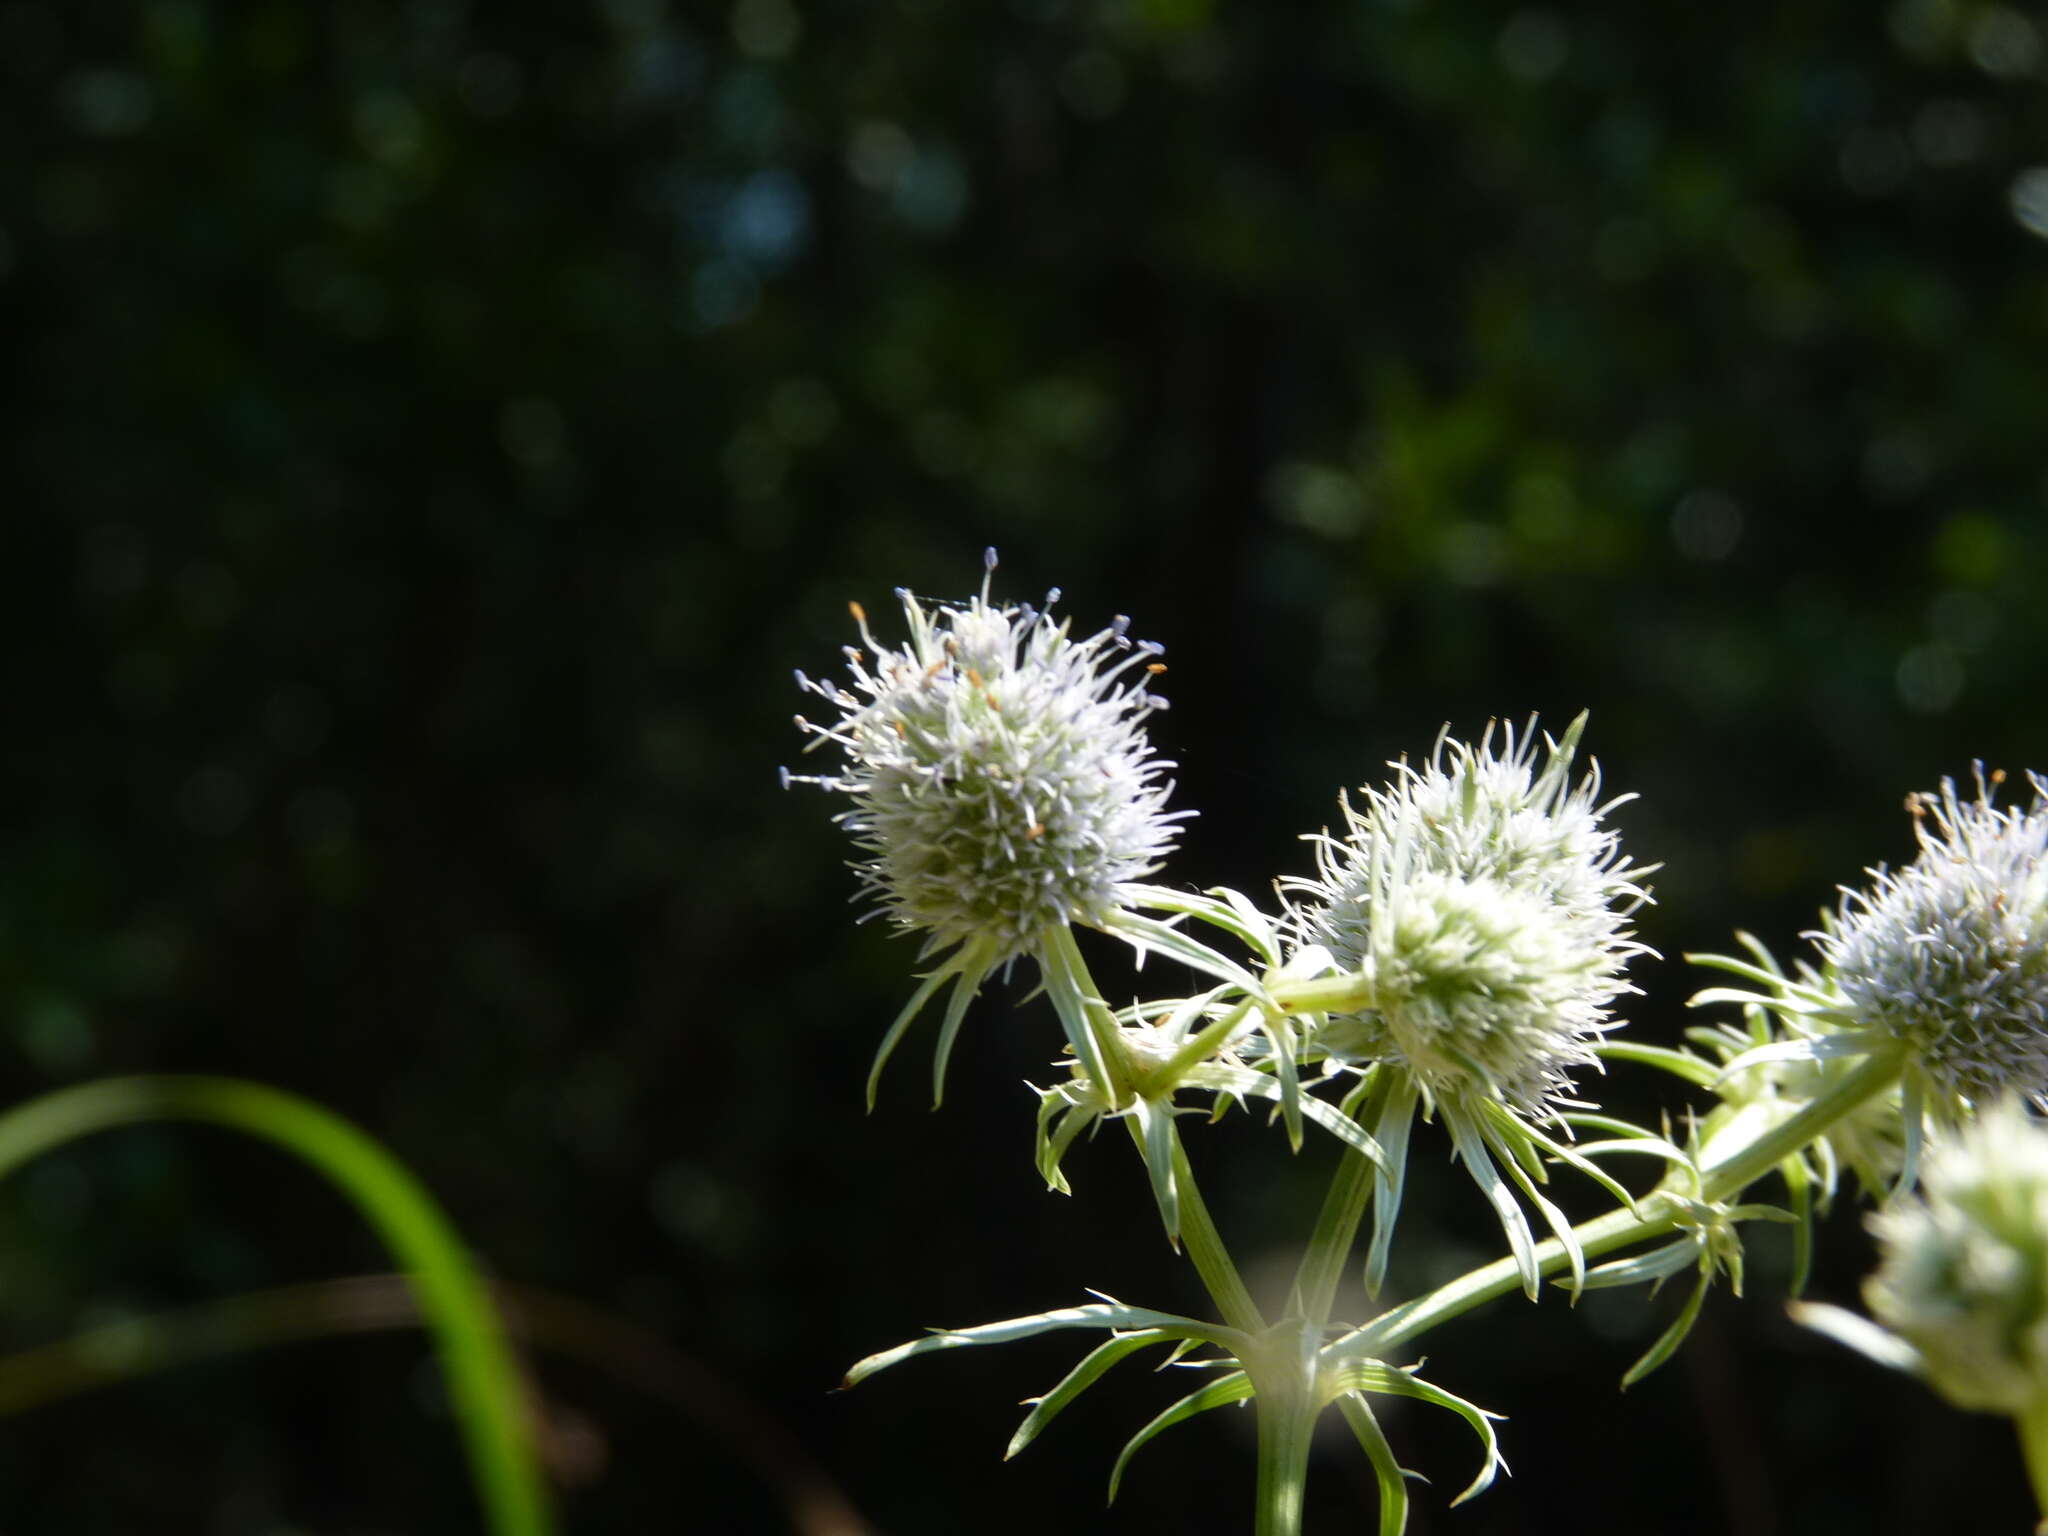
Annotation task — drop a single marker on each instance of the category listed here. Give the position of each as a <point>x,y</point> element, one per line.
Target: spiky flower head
<point>1964,1275</point>
<point>1949,955</point>
<point>1482,903</point>
<point>999,772</point>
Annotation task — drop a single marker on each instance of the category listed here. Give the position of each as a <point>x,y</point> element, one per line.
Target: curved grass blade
<point>488,1394</point>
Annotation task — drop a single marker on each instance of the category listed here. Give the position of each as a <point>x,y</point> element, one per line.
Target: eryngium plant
<point>1475,911</point>
<point>1001,783</point>
<point>1458,954</point>
<point>1941,966</point>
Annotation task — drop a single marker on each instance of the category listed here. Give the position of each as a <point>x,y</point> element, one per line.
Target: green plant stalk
<point>1284,1386</point>
<point>1067,966</point>
<point>1655,1214</point>
<point>489,1395</point>
<point>1344,1207</point>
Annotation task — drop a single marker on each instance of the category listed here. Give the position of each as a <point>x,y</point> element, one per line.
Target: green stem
<point>483,1378</point>
<point>1322,1266</point>
<point>1656,1213</point>
<point>1205,1247</point>
<point>1069,968</point>
<point>2033,1428</point>
<point>1286,1407</point>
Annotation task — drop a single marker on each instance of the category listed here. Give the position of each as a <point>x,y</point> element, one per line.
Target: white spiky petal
<point>1950,953</point>
<point>999,772</point>
<point>1486,903</point>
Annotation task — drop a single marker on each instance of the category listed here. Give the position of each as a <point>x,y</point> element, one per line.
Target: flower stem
<point>1322,1266</point>
<point>1284,1384</point>
<point>1655,1215</point>
<point>1204,1244</point>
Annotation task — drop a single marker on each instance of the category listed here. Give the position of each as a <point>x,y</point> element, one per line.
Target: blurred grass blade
<point>488,1395</point>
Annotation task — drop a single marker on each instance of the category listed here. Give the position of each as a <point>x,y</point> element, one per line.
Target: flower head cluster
<point>1483,903</point>
<point>1949,955</point>
<point>999,772</point>
<point>1964,1278</point>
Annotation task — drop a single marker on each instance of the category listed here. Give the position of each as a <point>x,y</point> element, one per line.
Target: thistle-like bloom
<point>1949,956</point>
<point>1000,779</point>
<point>1964,1275</point>
<point>1476,911</point>
<point>1483,905</point>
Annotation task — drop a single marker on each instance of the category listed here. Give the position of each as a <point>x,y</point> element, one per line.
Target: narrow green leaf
<point>1222,1078</point>
<point>1653,1267</point>
<point>1669,1340</point>
<point>1578,1158</point>
<point>1234,1388</point>
<point>1391,1129</point>
<point>1559,1224</point>
<point>1200,1047</point>
<point>1071,1003</point>
<point>1386,1470</point>
<point>974,969</point>
<point>1818,1048</point>
<point>1682,1064</point>
<point>1097,1314</point>
<point>1051,1149</point>
<point>1144,933</point>
<point>1092,1368</point>
<point>1233,914</point>
<point>950,967</point>
<point>1860,1334</point>
<point>1911,1112</point>
<point>1798,1188</point>
<point>1478,1163</point>
<point>1377,1376</point>
<point>1155,1124</point>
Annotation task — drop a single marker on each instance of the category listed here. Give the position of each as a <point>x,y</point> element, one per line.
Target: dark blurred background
<point>435,430</point>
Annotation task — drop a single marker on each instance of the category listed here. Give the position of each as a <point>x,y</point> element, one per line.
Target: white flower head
<point>1484,903</point>
<point>1949,955</point>
<point>1964,1275</point>
<point>1000,778</point>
